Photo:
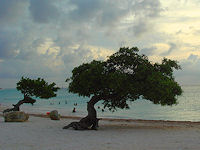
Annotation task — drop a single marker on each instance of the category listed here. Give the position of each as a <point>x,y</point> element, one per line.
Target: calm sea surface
<point>188,108</point>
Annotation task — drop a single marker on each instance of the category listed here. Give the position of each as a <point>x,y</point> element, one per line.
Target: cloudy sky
<point>48,38</point>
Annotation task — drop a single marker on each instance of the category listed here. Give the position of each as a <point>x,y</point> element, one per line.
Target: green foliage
<point>126,76</point>
<point>38,88</point>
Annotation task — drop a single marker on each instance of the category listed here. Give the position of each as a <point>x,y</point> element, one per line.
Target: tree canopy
<point>33,87</point>
<point>126,76</point>
<point>36,87</point>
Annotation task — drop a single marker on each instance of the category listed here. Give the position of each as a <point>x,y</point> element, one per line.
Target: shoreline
<point>189,123</point>
<point>121,120</point>
<point>132,122</point>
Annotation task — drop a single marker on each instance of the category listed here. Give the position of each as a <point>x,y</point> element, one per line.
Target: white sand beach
<point>41,133</point>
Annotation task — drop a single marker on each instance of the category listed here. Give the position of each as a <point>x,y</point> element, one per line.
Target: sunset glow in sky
<point>48,38</point>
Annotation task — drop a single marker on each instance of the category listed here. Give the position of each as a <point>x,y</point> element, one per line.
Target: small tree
<point>125,76</point>
<point>38,88</point>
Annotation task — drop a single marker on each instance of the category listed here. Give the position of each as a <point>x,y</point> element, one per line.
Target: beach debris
<point>54,115</point>
<point>16,116</point>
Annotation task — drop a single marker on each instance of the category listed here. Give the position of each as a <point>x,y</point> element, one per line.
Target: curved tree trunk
<point>16,106</point>
<point>90,121</point>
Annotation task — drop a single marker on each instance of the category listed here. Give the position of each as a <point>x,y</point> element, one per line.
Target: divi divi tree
<point>33,87</point>
<point>124,76</point>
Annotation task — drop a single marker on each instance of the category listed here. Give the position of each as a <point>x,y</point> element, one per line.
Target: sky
<point>48,38</point>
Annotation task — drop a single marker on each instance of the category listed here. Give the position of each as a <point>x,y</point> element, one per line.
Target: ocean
<point>187,109</point>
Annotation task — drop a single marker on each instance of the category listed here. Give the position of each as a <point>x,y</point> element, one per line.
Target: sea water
<point>187,109</point>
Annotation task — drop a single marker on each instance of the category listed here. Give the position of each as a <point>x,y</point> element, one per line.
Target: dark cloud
<point>147,8</point>
<point>148,51</point>
<point>17,44</point>
<point>102,14</point>
<point>30,24</point>
<point>11,11</point>
<point>77,56</point>
<point>190,70</point>
<point>98,12</point>
<point>85,10</point>
<point>8,45</point>
<point>193,58</point>
<point>112,13</point>
<point>37,65</point>
<point>170,50</point>
<point>43,11</point>
<point>107,11</point>
<point>145,12</point>
<point>140,27</point>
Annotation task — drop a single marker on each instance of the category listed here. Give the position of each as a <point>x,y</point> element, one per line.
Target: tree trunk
<point>90,121</point>
<point>16,106</point>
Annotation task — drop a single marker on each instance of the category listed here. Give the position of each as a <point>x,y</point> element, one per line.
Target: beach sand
<point>41,133</point>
